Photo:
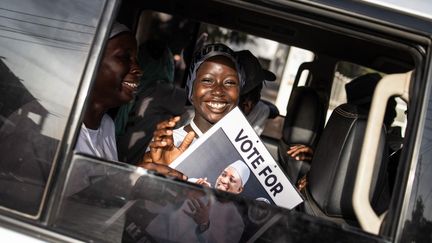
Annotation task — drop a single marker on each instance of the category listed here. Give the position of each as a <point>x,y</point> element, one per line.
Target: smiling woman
<point>214,82</point>
<point>116,82</point>
<point>215,91</point>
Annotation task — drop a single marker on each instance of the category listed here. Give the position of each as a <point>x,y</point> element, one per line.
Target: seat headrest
<point>334,165</point>
<point>304,119</point>
<point>360,90</point>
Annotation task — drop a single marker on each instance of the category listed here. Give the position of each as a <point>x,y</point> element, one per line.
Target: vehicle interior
<point>315,111</point>
<point>344,85</point>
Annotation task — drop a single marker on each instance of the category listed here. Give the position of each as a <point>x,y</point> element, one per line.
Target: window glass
<point>116,203</point>
<point>43,50</point>
<point>418,216</point>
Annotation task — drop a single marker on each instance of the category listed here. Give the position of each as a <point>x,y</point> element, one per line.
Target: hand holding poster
<point>231,157</point>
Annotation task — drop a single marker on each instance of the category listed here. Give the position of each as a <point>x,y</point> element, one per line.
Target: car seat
<point>330,181</point>
<point>304,122</point>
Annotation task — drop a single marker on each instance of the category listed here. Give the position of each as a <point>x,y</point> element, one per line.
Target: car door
<point>49,51</point>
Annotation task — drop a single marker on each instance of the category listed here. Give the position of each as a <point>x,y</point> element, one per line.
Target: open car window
<point>332,46</point>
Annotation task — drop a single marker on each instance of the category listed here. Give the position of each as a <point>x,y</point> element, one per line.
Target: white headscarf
<point>242,169</point>
<point>117,29</point>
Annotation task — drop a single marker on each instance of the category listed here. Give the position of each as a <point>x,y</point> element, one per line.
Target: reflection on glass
<point>418,228</point>
<point>119,203</point>
<point>418,223</point>
<point>186,216</point>
<point>43,51</point>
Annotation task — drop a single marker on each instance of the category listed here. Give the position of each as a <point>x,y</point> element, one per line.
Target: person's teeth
<point>217,105</point>
<point>132,85</point>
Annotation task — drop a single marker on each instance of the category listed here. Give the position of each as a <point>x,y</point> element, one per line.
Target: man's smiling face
<point>229,180</point>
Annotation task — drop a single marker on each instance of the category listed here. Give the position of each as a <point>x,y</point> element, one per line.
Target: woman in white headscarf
<point>116,82</point>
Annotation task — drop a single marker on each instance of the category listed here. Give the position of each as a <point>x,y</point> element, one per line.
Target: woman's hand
<point>300,152</point>
<point>163,169</point>
<point>162,148</point>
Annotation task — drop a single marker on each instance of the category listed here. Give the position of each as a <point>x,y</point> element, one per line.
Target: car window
<point>418,216</point>
<point>43,50</point>
<point>124,203</point>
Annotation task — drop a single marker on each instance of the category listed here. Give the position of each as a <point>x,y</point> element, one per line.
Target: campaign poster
<point>231,157</point>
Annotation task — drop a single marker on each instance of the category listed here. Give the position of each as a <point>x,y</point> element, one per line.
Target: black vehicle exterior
<point>56,216</point>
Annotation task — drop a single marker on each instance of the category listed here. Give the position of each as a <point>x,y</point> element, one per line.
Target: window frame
<point>64,150</point>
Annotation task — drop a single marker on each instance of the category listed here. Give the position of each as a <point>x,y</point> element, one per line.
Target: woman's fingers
<point>162,139</point>
<point>164,170</point>
<point>163,135</point>
<point>160,133</point>
<point>158,144</point>
<point>170,123</point>
<point>187,141</point>
<point>162,145</point>
<point>307,150</point>
<point>294,148</point>
<point>294,151</point>
<point>300,152</point>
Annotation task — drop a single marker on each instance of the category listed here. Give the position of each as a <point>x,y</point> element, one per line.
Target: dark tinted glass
<point>43,50</point>
<point>113,203</point>
<point>418,223</point>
